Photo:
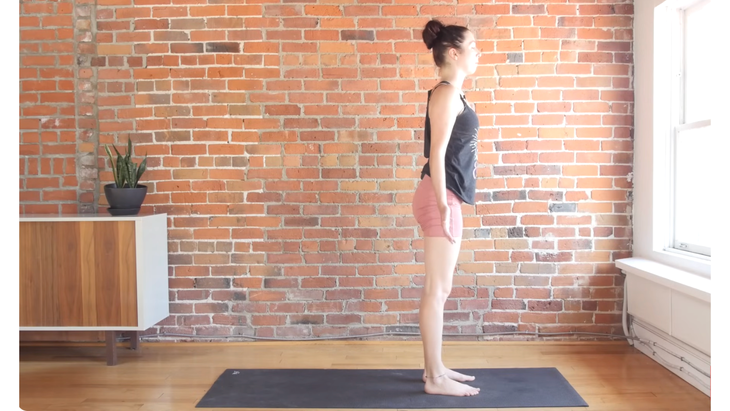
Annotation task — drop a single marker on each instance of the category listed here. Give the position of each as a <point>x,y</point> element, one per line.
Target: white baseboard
<point>664,345</point>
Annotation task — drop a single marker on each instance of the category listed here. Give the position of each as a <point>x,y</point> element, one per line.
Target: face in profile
<point>469,54</point>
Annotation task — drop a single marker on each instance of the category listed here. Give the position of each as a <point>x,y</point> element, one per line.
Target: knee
<point>437,293</point>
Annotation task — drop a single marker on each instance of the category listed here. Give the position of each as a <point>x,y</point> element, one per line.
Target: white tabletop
<point>101,216</point>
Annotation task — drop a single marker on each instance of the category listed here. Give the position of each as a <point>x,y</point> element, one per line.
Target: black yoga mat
<point>390,389</point>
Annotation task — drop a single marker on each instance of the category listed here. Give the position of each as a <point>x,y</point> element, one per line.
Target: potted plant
<point>125,195</point>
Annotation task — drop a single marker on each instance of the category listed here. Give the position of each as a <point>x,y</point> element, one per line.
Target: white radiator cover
<point>670,312</point>
<point>679,315</point>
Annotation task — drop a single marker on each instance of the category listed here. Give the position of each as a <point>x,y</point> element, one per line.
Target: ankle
<point>435,374</point>
<point>437,377</point>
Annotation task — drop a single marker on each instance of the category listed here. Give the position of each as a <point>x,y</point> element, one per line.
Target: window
<point>691,136</point>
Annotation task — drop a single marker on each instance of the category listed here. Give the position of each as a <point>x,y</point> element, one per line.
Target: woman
<point>447,180</point>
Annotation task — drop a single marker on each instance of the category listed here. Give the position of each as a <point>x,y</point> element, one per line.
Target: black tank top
<point>461,152</point>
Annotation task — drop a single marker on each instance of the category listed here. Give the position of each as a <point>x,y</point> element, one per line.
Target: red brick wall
<point>57,122</point>
<point>285,142</point>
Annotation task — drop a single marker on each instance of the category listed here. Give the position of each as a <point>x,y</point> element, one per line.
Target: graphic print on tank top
<point>474,148</point>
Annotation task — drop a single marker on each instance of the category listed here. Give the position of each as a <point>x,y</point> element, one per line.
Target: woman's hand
<point>446,222</point>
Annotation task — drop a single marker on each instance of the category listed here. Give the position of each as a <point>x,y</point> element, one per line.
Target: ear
<point>453,53</point>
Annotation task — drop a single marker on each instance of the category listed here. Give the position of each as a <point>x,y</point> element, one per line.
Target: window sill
<point>689,256</point>
<point>679,280</point>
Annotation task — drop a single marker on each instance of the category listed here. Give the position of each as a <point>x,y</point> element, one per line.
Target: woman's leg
<point>440,258</point>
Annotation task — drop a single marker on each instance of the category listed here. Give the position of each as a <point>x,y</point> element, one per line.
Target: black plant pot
<point>124,201</point>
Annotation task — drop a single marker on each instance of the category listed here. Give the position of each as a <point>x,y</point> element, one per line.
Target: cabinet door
<point>78,274</point>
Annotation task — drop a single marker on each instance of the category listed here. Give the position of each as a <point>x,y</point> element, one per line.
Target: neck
<point>454,77</point>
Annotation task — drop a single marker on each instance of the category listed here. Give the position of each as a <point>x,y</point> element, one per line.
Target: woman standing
<point>447,180</point>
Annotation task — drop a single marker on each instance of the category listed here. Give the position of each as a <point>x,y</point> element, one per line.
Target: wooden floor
<point>175,376</point>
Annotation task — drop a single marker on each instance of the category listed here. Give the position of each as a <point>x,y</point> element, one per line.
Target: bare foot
<point>444,385</point>
<point>456,376</point>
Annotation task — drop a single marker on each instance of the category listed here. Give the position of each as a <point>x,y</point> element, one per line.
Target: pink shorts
<point>428,215</point>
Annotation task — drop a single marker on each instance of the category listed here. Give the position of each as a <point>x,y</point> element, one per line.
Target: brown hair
<point>441,38</point>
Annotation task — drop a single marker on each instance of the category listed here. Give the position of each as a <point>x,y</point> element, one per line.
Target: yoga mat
<point>389,389</point>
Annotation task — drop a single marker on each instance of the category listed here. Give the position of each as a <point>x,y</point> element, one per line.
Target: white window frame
<point>674,244</point>
<point>673,116</point>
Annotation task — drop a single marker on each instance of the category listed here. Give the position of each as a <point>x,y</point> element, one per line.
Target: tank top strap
<point>463,100</point>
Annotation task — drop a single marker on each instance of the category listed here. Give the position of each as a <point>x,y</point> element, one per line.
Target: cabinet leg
<point>134,340</point>
<point>111,348</point>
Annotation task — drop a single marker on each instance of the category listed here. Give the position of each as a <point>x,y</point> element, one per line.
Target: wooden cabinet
<point>93,272</point>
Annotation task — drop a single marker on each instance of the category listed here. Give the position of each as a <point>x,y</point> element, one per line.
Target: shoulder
<point>445,96</point>
<point>445,92</point>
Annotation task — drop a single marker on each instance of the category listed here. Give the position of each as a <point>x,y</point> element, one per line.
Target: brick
<point>533,9</point>
<point>225,47</point>
<point>509,195</point>
<point>563,207</point>
<point>182,48</point>
<point>366,35</point>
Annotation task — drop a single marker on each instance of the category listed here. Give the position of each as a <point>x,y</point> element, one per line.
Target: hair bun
<point>431,32</point>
